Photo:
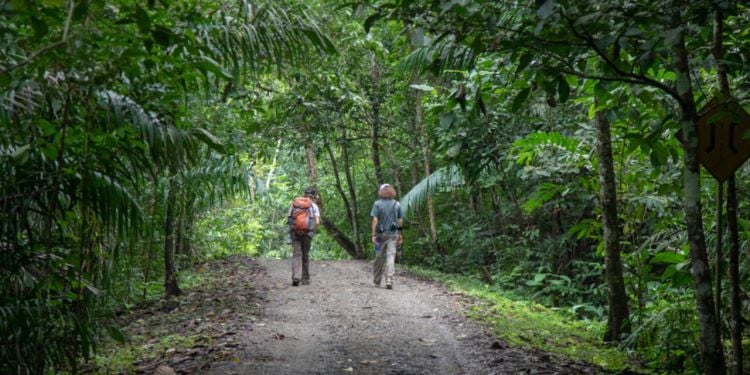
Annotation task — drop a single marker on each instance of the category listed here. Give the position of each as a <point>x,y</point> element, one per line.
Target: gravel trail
<point>342,324</point>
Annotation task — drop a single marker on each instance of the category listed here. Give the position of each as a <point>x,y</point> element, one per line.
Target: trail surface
<point>341,323</point>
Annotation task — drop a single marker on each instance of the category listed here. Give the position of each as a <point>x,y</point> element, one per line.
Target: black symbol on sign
<point>732,146</point>
<point>712,141</point>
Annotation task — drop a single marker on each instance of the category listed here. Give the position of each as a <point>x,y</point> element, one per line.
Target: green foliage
<point>117,118</point>
<point>105,139</point>
<point>531,325</point>
<point>230,229</point>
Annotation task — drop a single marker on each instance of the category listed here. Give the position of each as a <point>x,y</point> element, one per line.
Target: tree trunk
<point>170,275</point>
<point>339,237</point>
<point>273,164</point>
<point>734,277</point>
<point>426,163</point>
<point>618,320</point>
<point>712,352</point>
<point>734,242</point>
<point>312,167</point>
<point>353,194</point>
<point>344,198</point>
<point>375,102</point>
<point>719,266</point>
<point>327,223</point>
<point>416,39</point>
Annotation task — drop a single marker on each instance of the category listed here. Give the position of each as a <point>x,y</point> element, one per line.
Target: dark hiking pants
<point>301,257</point>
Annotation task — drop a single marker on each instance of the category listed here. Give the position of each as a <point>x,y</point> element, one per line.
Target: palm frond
<point>263,36</point>
<point>448,177</point>
<point>113,203</point>
<point>167,145</point>
<point>441,57</point>
<point>24,98</point>
<point>217,178</point>
<point>528,148</point>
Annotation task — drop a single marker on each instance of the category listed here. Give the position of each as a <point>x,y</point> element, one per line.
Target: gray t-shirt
<point>388,211</point>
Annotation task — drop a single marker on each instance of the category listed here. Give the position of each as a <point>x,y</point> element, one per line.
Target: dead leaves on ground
<point>185,335</point>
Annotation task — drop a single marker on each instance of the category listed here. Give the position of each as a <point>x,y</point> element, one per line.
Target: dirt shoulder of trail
<point>253,321</point>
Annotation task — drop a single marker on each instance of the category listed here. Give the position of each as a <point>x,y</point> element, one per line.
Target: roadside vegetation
<point>553,149</point>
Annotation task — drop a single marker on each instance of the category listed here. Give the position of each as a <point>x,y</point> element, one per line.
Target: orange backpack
<point>301,216</point>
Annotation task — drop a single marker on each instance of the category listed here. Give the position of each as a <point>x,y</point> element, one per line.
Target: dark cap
<point>311,192</point>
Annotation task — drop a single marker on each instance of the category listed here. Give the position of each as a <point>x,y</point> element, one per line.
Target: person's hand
<point>374,239</point>
<point>399,239</point>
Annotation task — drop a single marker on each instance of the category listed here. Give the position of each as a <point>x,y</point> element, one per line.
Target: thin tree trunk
<point>733,234</point>
<point>734,278</point>
<point>375,102</point>
<point>150,248</point>
<point>171,288</point>
<point>352,193</point>
<point>327,223</point>
<point>344,198</point>
<point>618,320</point>
<point>426,164</point>
<point>396,170</point>
<point>312,167</point>
<point>273,164</point>
<point>179,248</point>
<point>416,39</point>
<point>719,264</point>
<point>52,196</point>
<point>712,351</point>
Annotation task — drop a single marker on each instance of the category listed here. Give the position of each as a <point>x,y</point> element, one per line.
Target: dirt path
<point>342,324</point>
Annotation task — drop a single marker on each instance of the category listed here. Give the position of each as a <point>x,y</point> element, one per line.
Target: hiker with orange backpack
<point>303,219</point>
<point>387,218</point>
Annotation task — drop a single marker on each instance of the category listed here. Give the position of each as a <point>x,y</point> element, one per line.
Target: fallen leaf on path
<point>349,369</point>
<point>164,370</point>
<point>427,341</point>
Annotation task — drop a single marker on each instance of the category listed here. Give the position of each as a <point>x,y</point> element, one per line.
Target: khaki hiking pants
<point>387,256</point>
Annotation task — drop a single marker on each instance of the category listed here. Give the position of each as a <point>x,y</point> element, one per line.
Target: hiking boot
<point>305,282</point>
<point>389,286</point>
<point>295,282</point>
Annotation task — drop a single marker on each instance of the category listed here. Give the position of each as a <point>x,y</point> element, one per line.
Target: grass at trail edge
<point>529,325</point>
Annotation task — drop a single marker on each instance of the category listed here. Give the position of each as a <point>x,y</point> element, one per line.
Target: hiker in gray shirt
<point>387,219</point>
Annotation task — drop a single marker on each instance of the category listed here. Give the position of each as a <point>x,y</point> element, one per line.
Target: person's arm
<point>400,222</point>
<point>317,217</point>
<point>373,225</point>
<point>289,216</point>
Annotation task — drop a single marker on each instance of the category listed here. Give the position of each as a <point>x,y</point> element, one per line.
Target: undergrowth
<point>529,325</point>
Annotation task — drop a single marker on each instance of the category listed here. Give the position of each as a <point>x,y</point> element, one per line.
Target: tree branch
<point>47,48</point>
<point>32,56</point>
<point>629,77</point>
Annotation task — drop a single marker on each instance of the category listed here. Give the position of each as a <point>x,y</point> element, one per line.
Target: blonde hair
<point>386,191</point>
